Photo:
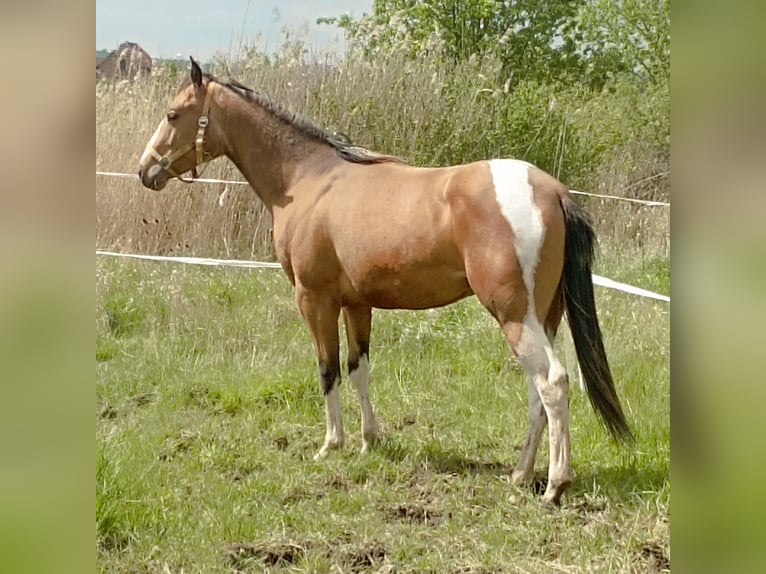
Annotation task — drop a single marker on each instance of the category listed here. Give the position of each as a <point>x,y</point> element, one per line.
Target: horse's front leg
<point>358,323</point>
<point>320,312</point>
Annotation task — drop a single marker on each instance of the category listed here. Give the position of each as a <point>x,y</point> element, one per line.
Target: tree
<point>587,41</point>
<point>526,35</point>
<point>625,36</point>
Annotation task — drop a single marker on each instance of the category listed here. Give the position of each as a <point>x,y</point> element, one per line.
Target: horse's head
<point>185,137</point>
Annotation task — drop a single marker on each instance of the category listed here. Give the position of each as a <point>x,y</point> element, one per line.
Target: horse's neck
<point>270,154</point>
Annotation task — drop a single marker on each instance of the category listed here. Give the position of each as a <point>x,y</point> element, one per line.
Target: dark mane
<point>340,142</point>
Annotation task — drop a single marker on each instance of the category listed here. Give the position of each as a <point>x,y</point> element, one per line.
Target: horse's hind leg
<point>321,315</point>
<point>524,471</point>
<point>358,321</point>
<point>548,384</point>
<point>534,351</point>
<point>525,468</point>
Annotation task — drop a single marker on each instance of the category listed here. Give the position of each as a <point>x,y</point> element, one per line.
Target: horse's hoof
<point>327,447</point>
<point>552,496</point>
<point>370,439</point>
<point>521,478</point>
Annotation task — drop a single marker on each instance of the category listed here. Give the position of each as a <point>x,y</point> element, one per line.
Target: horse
<point>355,230</point>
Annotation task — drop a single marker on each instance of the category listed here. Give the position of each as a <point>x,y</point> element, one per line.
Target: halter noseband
<point>166,161</point>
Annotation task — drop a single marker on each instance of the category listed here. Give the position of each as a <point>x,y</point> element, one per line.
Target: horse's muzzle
<point>153,177</point>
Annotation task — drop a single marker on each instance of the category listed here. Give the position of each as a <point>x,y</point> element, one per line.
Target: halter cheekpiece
<point>166,161</point>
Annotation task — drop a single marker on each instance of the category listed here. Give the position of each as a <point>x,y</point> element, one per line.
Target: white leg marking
<point>334,436</point>
<point>147,152</point>
<point>360,377</point>
<point>536,355</point>
<point>534,339</point>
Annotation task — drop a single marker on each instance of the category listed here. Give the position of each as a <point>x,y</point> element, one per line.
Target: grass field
<point>208,405</point>
<point>209,410</point>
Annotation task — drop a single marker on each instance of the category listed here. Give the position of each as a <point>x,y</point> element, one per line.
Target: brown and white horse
<point>354,230</point>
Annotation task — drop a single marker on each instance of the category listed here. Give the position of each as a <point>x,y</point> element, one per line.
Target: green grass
<point>209,411</point>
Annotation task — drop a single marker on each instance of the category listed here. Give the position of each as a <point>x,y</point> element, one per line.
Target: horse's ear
<point>196,73</point>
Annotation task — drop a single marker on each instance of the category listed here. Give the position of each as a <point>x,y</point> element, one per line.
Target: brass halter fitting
<point>166,161</point>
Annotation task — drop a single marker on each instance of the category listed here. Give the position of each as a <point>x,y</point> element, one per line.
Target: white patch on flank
<point>148,151</point>
<point>517,204</point>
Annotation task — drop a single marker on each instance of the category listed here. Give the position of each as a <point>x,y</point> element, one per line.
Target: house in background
<point>128,62</point>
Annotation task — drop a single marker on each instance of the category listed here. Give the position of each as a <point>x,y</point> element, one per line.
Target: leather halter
<point>166,161</point>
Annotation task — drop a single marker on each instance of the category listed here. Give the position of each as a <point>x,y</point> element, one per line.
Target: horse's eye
<point>172,115</point>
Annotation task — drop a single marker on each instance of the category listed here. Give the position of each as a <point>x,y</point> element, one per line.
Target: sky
<point>200,28</point>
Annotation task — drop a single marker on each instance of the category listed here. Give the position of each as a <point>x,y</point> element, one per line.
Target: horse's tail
<point>581,310</point>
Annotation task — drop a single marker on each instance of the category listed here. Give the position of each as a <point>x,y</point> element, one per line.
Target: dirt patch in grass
<point>413,513</point>
<point>406,421</point>
<point>172,446</point>
<point>591,514</point>
<point>586,507</point>
<point>281,442</point>
<point>243,472</point>
<point>446,463</point>
<point>338,482</point>
<point>363,557</point>
<point>240,555</point>
<point>296,494</point>
<point>472,569</point>
<point>299,493</point>
<point>142,399</point>
<point>108,412</point>
<point>653,556</point>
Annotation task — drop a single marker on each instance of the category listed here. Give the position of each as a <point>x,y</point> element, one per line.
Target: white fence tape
<point>611,284</point>
<point>597,279</point>
<point>198,180</point>
<point>197,260</point>
<point>630,199</point>
<point>235,182</point>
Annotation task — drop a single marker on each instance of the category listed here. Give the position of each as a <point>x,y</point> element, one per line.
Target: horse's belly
<point>408,288</point>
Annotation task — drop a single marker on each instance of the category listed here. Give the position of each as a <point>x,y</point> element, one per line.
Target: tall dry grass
<point>427,111</point>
